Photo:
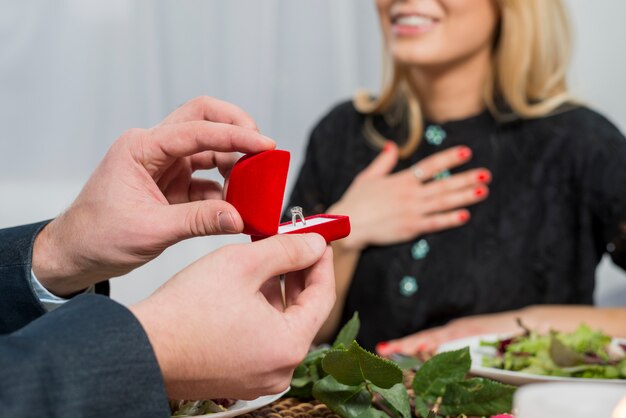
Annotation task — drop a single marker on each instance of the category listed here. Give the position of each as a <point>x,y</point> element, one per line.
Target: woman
<point>474,183</point>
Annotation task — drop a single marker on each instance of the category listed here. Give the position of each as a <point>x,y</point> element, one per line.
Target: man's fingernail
<point>316,242</point>
<point>227,222</point>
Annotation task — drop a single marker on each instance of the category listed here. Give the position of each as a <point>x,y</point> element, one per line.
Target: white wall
<point>75,74</point>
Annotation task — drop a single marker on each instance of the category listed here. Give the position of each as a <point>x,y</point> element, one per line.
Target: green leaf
<point>300,376</point>
<point>431,379</point>
<point>347,401</point>
<point>304,392</point>
<point>349,332</point>
<point>301,382</point>
<point>315,371</point>
<point>562,355</point>
<point>192,408</point>
<point>356,365</point>
<point>373,413</point>
<point>421,407</point>
<point>315,355</point>
<point>397,397</point>
<point>477,396</point>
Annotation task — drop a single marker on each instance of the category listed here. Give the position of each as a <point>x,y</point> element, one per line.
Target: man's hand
<point>218,328</point>
<point>142,198</point>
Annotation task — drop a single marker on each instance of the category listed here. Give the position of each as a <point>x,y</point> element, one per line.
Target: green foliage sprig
<point>355,383</point>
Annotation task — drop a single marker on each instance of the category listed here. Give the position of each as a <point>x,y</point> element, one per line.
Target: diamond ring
<point>296,212</point>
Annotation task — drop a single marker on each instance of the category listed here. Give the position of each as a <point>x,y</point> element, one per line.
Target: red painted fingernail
<point>464,153</point>
<point>464,216</point>
<point>387,146</point>
<point>382,347</point>
<point>480,191</point>
<point>484,176</point>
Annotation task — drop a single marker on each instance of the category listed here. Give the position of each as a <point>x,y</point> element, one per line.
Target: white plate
<point>506,376</point>
<point>243,407</point>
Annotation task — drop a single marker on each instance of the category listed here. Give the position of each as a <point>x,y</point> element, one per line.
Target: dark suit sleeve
<point>88,358</point>
<point>18,303</point>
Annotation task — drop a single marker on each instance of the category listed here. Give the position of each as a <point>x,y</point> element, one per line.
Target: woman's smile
<point>411,24</point>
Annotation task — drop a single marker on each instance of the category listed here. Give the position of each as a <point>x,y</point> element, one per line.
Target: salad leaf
<point>586,340</point>
<point>562,355</point>
<point>584,353</point>
<point>194,408</point>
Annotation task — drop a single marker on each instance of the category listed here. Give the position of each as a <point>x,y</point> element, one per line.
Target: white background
<point>75,74</point>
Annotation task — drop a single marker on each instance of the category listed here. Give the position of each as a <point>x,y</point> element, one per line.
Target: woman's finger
<point>454,200</point>
<point>442,221</point>
<point>470,178</point>
<point>430,166</point>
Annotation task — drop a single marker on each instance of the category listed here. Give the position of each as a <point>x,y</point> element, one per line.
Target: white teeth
<point>414,21</point>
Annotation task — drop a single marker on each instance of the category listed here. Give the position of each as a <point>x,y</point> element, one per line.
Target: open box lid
<point>256,187</point>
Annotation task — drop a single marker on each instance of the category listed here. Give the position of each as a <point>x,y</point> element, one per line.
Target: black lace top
<point>557,202</point>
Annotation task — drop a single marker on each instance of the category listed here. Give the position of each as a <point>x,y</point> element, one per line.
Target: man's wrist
<point>162,346</point>
<point>52,263</point>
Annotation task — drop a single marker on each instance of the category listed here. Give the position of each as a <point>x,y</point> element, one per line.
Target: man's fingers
<point>196,219</point>
<point>313,305</point>
<point>213,110</point>
<point>224,161</point>
<point>282,254</point>
<point>271,291</point>
<point>203,189</point>
<point>167,142</point>
<point>383,164</point>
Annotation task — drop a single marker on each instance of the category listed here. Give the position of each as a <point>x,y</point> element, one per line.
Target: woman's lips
<point>408,25</point>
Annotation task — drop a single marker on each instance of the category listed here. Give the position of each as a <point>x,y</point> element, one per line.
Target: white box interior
<point>283,229</point>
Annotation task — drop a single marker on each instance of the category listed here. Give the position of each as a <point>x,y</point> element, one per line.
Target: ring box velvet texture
<point>256,187</point>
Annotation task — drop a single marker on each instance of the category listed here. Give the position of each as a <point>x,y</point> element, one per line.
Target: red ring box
<point>256,187</point>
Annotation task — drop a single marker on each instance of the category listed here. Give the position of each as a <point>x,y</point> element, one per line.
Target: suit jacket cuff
<point>19,304</point>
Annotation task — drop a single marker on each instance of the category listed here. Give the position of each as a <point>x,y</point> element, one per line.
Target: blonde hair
<point>529,65</point>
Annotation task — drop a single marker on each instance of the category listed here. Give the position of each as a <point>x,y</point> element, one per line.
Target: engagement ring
<point>418,173</point>
<point>296,212</point>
